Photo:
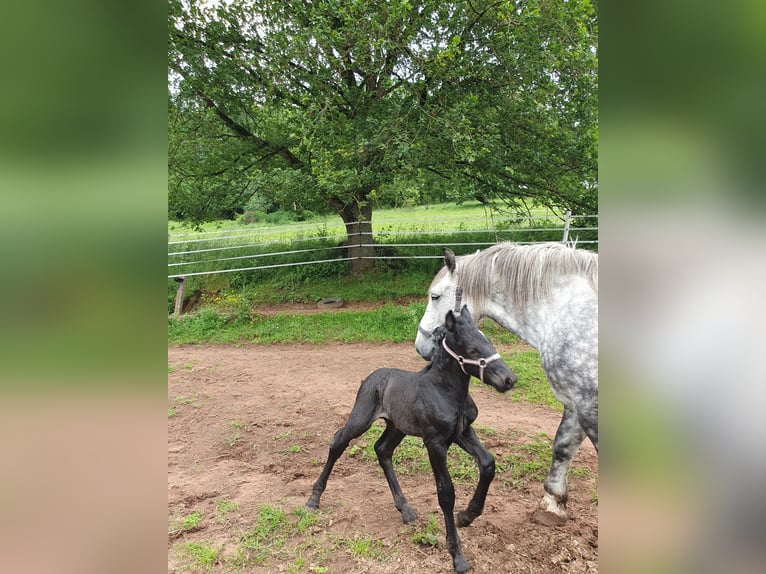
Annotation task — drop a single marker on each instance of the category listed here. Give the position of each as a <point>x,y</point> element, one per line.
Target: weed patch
<point>429,533</point>
<point>199,555</point>
<point>272,531</point>
<point>360,546</point>
<point>224,508</point>
<point>233,439</point>
<point>193,401</point>
<point>189,523</point>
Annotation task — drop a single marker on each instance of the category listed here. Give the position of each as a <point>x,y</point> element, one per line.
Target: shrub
<point>251,216</point>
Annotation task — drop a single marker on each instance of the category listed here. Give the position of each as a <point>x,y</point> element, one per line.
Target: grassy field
<point>268,263</point>
<point>388,323</point>
<point>400,233</point>
<point>471,214</point>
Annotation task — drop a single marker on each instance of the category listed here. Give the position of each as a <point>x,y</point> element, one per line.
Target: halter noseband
<point>481,363</point>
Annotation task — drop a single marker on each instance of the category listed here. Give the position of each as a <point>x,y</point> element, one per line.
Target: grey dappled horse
<point>433,404</point>
<point>547,294</point>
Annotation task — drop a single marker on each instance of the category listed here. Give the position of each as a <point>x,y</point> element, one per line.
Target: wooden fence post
<point>180,295</point>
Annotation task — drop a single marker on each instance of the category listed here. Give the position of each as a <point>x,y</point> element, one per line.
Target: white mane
<point>529,271</point>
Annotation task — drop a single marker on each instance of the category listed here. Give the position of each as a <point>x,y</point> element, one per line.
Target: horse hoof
<point>550,512</point>
<point>548,518</point>
<point>461,565</point>
<point>464,519</point>
<point>408,515</point>
<point>312,504</point>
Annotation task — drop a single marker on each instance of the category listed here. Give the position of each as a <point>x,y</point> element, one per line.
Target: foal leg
<point>384,448</point>
<point>470,443</point>
<point>360,419</point>
<point>552,508</point>
<point>445,490</point>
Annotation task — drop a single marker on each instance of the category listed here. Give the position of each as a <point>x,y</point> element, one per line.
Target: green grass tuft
<point>362,546</point>
<point>187,523</point>
<point>429,533</point>
<point>200,555</point>
<point>272,531</point>
<point>233,439</point>
<point>224,508</point>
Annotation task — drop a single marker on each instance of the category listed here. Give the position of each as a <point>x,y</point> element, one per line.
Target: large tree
<point>331,101</point>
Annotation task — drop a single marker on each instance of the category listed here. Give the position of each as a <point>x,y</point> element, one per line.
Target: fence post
<point>180,295</point>
<point>566,226</point>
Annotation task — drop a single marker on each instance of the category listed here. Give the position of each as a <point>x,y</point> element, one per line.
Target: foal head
<point>474,352</point>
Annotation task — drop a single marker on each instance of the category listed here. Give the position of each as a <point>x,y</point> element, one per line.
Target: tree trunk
<point>358,221</point>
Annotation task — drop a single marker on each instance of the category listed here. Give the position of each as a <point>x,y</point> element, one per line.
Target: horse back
<point>395,393</point>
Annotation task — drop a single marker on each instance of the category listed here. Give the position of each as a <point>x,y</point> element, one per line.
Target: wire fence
<point>242,250</point>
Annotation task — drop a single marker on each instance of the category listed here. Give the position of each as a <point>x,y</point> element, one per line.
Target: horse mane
<point>529,271</point>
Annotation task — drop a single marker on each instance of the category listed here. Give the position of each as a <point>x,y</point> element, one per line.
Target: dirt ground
<point>250,425</point>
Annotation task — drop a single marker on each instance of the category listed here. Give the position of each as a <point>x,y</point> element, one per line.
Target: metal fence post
<point>566,226</point>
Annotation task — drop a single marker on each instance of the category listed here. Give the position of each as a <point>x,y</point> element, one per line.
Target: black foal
<point>433,404</point>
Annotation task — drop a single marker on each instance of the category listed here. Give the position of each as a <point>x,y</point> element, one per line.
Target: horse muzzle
<point>510,381</point>
<point>501,381</point>
<point>424,344</point>
<point>506,383</point>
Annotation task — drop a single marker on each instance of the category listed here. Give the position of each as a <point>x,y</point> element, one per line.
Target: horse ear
<point>449,320</point>
<point>464,312</point>
<point>449,260</point>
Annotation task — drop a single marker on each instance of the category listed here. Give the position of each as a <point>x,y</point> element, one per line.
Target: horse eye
<point>434,297</point>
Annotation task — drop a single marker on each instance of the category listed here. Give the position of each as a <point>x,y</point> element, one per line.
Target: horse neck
<point>447,372</point>
<point>533,324</point>
<point>499,309</point>
<point>526,326</point>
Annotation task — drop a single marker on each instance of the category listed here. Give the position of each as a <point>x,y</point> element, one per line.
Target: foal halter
<point>481,363</point>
